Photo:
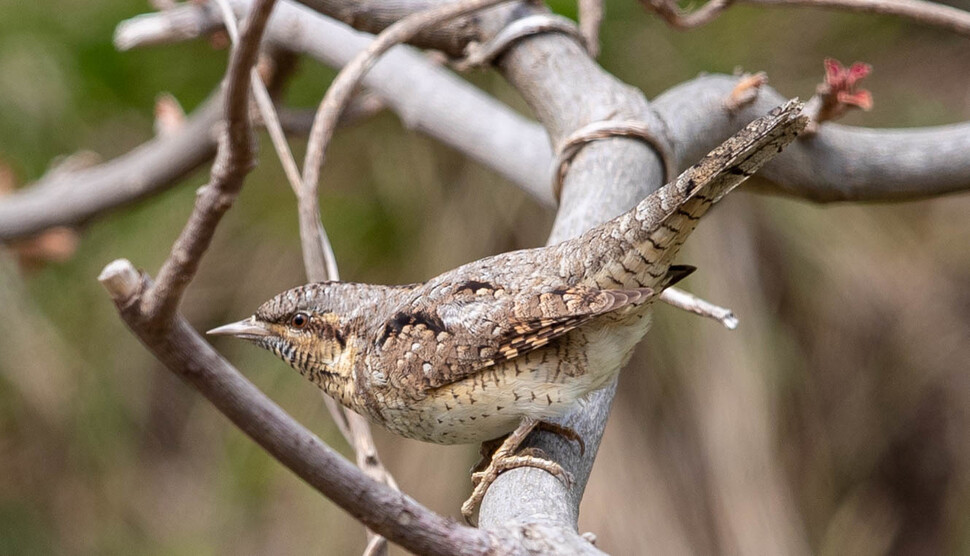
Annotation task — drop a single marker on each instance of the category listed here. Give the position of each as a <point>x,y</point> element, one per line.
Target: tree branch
<point>74,198</point>
<point>234,160</point>
<point>838,164</point>
<point>692,304</point>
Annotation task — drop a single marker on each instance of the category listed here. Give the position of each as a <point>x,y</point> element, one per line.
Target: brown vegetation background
<point>833,421</point>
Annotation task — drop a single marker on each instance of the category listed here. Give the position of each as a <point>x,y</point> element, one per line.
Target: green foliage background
<point>850,364</point>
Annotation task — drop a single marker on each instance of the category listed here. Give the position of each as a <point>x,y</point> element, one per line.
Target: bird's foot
<point>504,458</point>
<point>484,479</point>
<point>528,457</point>
<point>490,447</point>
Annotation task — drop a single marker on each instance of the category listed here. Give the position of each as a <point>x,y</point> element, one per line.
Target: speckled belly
<point>543,384</point>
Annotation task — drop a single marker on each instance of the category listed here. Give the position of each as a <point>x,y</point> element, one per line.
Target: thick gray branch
<point>568,90</point>
<point>427,97</point>
<point>840,163</point>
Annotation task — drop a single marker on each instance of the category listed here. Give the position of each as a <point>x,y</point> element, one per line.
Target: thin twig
<point>233,161</point>
<point>265,105</point>
<point>348,79</point>
<point>313,237</point>
<point>921,11</point>
<point>688,302</point>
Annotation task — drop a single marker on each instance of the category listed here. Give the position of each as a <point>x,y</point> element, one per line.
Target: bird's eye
<point>299,320</point>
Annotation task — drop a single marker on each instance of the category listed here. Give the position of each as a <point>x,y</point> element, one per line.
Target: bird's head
<point>304,327</point>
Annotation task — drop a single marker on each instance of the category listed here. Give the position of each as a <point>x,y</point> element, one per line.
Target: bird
<point>505,344</point>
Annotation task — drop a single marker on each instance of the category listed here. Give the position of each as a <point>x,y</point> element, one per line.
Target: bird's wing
<point>481,325</point>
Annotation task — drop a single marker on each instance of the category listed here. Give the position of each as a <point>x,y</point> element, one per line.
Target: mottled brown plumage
<point>469,355</point>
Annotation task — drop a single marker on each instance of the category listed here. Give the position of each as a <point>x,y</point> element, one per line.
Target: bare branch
<point>265,104</point>
<point>234,160</point>
<point>920,11</point>
<point>349,78</point>
<point>182,22</point>
<point>693,304</point>
<point>838,164</point>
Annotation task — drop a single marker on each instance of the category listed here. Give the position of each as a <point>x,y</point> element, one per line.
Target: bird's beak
<point>247,329</point>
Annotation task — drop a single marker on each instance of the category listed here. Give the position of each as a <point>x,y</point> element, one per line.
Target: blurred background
<point>833,421</point>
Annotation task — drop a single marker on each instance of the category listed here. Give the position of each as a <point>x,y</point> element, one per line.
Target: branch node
<point>746,91</point>
<point>121,279</point>
<point>838,93</point>
<point>169,115</point>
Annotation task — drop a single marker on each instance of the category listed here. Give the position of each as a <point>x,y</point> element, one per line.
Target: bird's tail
<point>636,248</point>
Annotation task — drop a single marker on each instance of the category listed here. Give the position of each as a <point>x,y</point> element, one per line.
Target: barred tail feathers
<point>636,248</point>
